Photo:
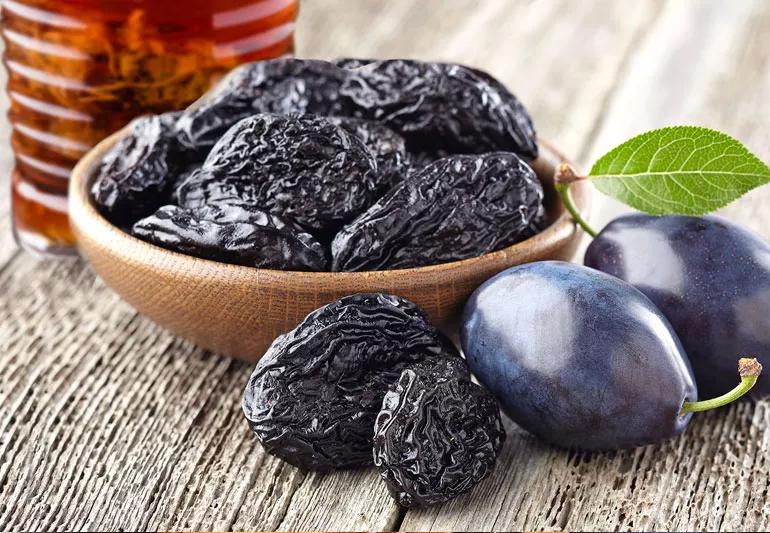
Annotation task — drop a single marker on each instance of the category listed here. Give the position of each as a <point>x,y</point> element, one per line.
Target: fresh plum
<point>709,276</point>
<point>578,357</point>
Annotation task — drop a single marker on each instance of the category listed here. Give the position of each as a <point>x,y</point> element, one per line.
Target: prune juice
<point>79,70</point>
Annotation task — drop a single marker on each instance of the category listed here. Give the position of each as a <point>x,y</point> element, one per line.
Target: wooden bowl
<point>238,310</point>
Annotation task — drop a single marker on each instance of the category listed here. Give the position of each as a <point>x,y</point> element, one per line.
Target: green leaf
<point>679,170</point>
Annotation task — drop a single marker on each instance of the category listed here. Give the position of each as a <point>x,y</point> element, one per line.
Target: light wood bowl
<point>238,311</point>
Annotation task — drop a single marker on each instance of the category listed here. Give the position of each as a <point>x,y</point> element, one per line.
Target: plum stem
<point>749,370</point>
<point>564,177</point>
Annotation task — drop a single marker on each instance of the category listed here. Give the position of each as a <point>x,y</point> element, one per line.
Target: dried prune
<point>313,397</point>
<point>180,179</point>
<point>457,207</point>
<point>238,234</point>
<point>134,178</point>
<point>538,223</point>
<point>440,106</point>
<point>416,161</point>
<point>280,86</point>
<point>436,436</point>
<point>386,145</point>
<point>352,62</point>
<point>303,167</point>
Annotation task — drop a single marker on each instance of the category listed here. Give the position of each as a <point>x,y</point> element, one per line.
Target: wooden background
<point>109,422</point>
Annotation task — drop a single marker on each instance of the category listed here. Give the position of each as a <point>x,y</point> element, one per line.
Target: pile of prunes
<point>344,166</point>
<point>367,379</point>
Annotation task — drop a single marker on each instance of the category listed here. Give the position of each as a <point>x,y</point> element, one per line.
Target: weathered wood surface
<point>108,422</point>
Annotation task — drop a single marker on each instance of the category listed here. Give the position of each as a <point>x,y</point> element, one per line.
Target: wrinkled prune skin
<point>441,106</point>
<point>236,234</point>
<point>386,145</point>
<point>458,207</point>
<point>419,160</point>
<point>180,179</point>
<point>313,397</point>
<point>538,223</point>
<point>352,62</point>
<point>280,86</point>
<point>135,177</point>
<point>303,167</point>
<point>436,436</point>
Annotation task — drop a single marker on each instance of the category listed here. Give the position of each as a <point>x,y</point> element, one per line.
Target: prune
<point>440,106</point>
<point>182,177</point>
<point>709,276</point>
<point>577,357</point>
<point>419,160</point>
<point>134,178</point>
<point>237,234</point>
<point>386,145</point>
<point>281,86</point>
<point>352,62</point>
<point>436,437</point>
<point>458,207</point>
<point>538,223</point>
<point>313,397</point>
<point>303,167</point>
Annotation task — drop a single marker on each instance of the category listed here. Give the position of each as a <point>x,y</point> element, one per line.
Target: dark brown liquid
<point>79,70</point>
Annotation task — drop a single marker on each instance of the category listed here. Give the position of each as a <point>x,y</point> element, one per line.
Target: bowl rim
<point>81,205</point>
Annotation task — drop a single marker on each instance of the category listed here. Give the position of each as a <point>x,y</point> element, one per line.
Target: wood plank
<point>108,422</point>
<point>703,62</point>
<point>133,428</point>
<point>561,90</point>
<point>711,71</point>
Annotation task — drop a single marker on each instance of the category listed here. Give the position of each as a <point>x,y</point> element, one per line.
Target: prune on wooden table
<point>458,207</point>
<point>279,86</point>
<point>303,167</point>
<point>440,106</point>
<point>436,436</point>
<point>313,397</point>
<point>386,145</point>
<point>136,175</point>
<point>237,234</point>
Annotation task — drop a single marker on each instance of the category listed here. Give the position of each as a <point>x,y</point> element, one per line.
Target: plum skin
<point>577,357</point>
<point>709,276</point>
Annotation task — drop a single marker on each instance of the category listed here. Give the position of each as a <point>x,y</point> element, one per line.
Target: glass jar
<point>79,70</point>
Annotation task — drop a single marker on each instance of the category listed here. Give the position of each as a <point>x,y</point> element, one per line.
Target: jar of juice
<point>79,70</point>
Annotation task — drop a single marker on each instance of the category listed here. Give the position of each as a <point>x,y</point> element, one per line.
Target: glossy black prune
<point>386,145</point>
<point>303,167</point>
<point>236,234</point>
<point>352,62</point>
<point>280,86</point>
<point>416,161</point>
<point>440,106</point>
<point>182,177</point>
<point>136,175</point>
<point>436,436</point>
<point>314,395</point>
<point>456,208</point>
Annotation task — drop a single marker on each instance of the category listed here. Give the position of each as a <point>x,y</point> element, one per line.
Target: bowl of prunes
<point>293,183</point>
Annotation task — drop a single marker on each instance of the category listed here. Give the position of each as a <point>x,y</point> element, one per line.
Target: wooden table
<point>109,422</point>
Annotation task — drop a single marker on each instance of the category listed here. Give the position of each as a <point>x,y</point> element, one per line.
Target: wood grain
<point>688,69</point>
<point>109,422</point>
